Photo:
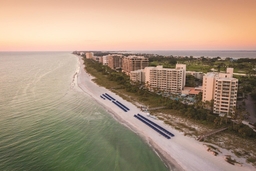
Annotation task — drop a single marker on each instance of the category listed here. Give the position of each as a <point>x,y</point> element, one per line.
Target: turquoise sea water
<point>47,123</point>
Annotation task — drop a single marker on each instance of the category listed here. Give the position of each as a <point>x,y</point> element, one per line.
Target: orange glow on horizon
<point>127,25</point>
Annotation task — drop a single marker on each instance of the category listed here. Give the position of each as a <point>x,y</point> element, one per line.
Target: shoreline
<point>167,160</point>
<point>184,153</point>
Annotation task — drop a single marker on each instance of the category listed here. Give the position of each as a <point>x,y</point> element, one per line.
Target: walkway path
<point>200,138</point>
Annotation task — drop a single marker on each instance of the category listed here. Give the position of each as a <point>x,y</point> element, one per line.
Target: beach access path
<point>184,152</point>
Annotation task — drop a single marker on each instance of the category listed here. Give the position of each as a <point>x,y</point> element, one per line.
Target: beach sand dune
<point>185,153</point>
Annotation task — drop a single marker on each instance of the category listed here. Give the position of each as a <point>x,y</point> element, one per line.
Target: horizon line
<point>248,50</point>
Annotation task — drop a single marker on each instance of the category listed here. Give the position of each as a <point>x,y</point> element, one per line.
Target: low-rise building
<point>191,90</point>
<point>137,76</point>
<point>198,75</point>
<point>97,58</point>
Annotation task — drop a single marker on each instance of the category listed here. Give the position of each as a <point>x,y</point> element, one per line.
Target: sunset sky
<point>32,25</point>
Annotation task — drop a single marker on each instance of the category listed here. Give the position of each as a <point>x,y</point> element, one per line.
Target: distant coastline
<point>198,53</point>
<point>236,54</point>
<point>177,152</point>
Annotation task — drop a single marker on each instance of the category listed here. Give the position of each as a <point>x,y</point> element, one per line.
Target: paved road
<point>239,74</point>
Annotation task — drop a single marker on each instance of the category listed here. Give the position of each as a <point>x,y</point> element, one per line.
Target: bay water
<point>47,123</point>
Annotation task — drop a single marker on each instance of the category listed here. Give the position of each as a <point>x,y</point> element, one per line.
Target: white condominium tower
<point>222,89</point>
<point>162,79</point>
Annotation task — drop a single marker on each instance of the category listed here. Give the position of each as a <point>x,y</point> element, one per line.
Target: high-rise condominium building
<point>162,79</point>
<point>105,60</point>
<point>222,89</point>
<point>89,55</point>
<point>115,61</point>
<point>137,76</point>
<point>133,63</point>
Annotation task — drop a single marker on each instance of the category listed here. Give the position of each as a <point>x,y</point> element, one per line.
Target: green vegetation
<point>237,153</point>
<point>231,161</point>
<point>195,119</point>
<point>191,81</point>
<point>247,85</point>
<point>251,160</point>
<point>246,66</point>
<point>213,149</point>
<point>205,64</point>
<point>120,84</point>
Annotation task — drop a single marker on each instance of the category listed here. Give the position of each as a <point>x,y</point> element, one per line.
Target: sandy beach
<point>185,153</point>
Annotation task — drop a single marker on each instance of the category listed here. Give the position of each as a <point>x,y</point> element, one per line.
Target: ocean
<point>47,123</point>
